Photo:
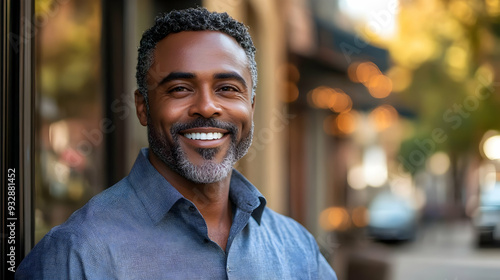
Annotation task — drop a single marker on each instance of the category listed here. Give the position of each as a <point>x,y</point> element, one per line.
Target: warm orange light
<point>334,99</point>
<point>290,93</point>
<point>360,216</point>
<point>340,102</point>
<point>351,72</point>
<point>380,86</point>
<point>384,116</point>
<point>320,96</point>
<point>365,71</point>
<point>334,218</point>
<point>346,123</point>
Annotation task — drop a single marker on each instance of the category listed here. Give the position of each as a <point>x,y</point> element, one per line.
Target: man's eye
<point>228,88</point>
<point>178,89</point>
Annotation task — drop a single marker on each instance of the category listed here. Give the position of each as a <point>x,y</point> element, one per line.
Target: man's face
<point>200,119</point>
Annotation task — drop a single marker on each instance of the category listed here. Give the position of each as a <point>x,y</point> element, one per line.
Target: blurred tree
<point>451,49</point>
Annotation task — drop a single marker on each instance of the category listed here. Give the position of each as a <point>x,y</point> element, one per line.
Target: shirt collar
<point>155,192</point>
<point>246,196</point>
<point>158,195</point>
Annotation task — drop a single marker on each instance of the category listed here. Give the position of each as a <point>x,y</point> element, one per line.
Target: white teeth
<point>204,136</point>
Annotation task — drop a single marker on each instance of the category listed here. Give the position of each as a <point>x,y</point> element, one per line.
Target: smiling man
<point>183,212</point>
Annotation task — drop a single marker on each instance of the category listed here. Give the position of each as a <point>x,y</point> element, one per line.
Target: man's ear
<point>253,103</point>
<point>141,108</point>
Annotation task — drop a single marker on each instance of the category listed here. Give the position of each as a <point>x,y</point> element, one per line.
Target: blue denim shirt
<point>143,228</point>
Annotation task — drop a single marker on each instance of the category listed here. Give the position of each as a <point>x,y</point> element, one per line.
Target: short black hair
<point>192,19</point>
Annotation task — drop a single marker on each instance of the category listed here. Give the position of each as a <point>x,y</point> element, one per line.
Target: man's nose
<point>205,104</point>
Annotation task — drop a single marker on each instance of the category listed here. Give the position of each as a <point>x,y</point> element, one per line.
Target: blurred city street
<point>440,251</point>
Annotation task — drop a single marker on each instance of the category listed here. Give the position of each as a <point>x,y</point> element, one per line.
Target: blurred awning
<point>325,59</point>
<point>340,48</point>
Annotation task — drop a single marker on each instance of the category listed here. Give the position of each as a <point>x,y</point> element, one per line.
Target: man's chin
<point>207,173</point>
<point>208,154</point>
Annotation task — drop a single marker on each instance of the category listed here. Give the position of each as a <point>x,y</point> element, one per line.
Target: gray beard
<point>208,172</point>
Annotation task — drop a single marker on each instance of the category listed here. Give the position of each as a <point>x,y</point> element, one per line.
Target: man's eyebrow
<point>230,75</point>
<point>177,76</point>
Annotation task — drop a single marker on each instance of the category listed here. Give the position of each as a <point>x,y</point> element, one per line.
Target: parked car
<point>487,217</point>
<point>392,218</point>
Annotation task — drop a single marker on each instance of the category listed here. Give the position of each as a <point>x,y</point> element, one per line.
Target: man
<point>183,212</point>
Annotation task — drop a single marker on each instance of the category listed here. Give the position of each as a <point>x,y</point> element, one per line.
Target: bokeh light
<point>383,117</point>
<point>491,147</point>
<point>438,163</point>
<point>375,166</point>
<point>320,97</point>
<point>342,124</point>
<point>59,136</point>
<point>356,178</point>
<point>334,218</point>
<point>366,71</point>
<point>457,60</point>
<point>346,122</point>
<point>380,86</point>
<point>339,101</point>
<point>351,72</point>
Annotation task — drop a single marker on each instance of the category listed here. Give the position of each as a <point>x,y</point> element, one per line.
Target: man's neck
<point>212,200</point>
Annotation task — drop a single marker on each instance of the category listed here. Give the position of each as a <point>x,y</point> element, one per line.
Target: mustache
<point>203,122</point>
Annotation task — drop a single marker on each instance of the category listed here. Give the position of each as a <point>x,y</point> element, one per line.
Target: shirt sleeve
<point>325,271</point>
<point>63,256</point>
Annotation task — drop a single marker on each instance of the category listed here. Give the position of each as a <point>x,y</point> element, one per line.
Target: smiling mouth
<point>204,136</point>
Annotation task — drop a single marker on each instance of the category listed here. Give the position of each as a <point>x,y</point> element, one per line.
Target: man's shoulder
<point>108,207</point>
<point>283,224</point>
<point>275,217</point>
<point>79,241</point>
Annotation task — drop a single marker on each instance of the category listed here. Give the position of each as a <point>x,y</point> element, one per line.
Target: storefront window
<point>69,139</point>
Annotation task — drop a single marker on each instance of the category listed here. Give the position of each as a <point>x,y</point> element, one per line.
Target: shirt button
<point>192,208</point>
